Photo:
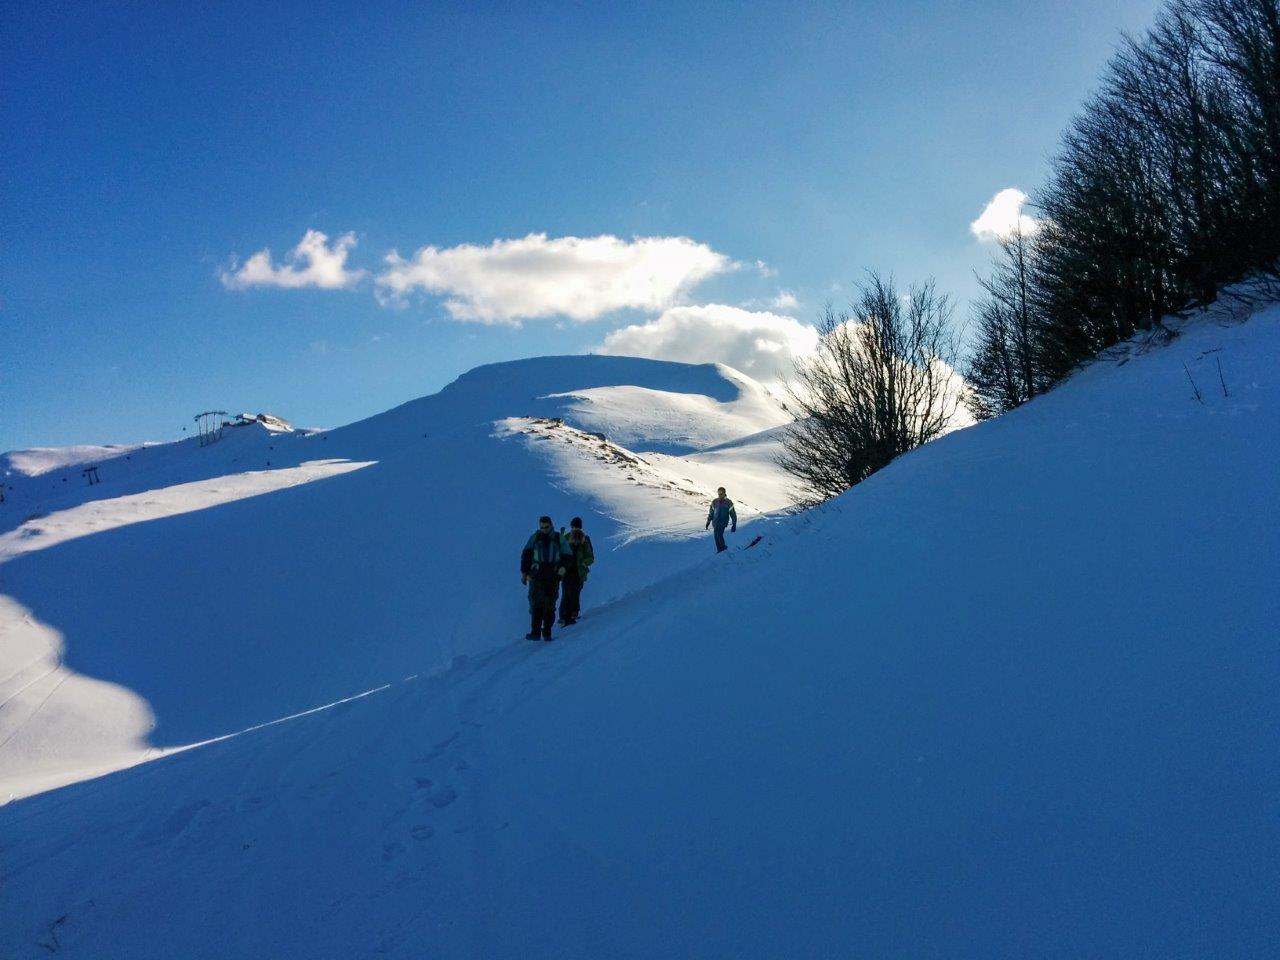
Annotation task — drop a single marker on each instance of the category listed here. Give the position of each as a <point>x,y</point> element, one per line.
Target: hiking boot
<point>531,636</point>
<point>546,635</point>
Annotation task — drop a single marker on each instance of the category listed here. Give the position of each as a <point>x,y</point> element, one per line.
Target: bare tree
<point>1167,184</point>
<point>1240,42</point>
<point>1003,371</point>
<point>881,383</point>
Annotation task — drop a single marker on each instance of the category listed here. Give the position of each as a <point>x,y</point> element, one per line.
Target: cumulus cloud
<point>1003,216</point>
<point>785,300</point>
<point>763,345</point>
<point>312,263</point>
<point>535,276</point>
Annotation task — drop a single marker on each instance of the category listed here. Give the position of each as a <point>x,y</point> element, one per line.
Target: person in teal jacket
<point>721,515</point>
<point>542,565</point>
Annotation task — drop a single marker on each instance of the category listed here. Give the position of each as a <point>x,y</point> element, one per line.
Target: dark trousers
<point>542,605</point>
<point>721,546</point>
<point>571,600</point>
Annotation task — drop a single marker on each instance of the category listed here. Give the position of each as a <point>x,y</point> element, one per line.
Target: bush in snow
<point>880,383</point>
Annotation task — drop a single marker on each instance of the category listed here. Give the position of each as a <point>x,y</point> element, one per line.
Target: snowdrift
<point>1014,696</point>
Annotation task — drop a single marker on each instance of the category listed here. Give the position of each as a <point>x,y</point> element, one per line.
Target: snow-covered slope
<point>1015,696</point>
<point>196,591</point>
<point>42,460</point>
<point>647,404</point>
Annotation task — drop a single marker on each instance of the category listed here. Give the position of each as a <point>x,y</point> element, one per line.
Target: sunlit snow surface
<point>1015,696</point>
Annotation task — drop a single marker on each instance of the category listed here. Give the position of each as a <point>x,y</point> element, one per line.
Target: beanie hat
<point>576,522</point>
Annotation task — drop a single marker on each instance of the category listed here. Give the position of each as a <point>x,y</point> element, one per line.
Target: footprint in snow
<point>175,825</point>
<point>391,850</point>
<point>443,797</point>
<point>423,831</point>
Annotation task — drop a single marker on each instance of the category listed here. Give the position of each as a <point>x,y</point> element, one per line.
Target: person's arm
<point>710,512</point>
<point>733,517</point>
<point>526,564</point>
<point>588,551</point>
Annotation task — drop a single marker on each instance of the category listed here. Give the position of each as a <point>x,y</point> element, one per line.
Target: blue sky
<point>150,150</point>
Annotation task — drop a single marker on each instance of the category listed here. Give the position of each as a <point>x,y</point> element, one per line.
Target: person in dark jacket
<point>581,556</point>
<point>542,564</point>
<point>720,516</point>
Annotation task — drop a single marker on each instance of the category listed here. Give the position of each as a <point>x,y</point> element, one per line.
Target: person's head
<point>544,524</point>
<point>576,523</point>
<point>720,491</point>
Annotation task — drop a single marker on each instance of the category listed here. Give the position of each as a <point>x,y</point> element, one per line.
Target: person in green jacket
<point>720,516</point>
<point>581,555</point>
<point>542,564</point>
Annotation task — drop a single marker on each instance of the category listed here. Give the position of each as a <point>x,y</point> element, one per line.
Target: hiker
<point>542,564</point>
<point>581,556</point>
<point>720,516</point>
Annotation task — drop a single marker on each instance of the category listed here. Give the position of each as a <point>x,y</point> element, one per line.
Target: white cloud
<point>760,344</point>
<point>580,278</point>
<point>312,263</point>
<point>785,300</point>
<point>1003,216</point>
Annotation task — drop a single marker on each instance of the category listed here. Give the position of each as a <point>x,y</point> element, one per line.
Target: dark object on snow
<point>757,539</point>
<point>91,474</point>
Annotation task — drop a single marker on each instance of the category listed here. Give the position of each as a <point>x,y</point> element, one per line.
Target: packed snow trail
<point>1013,696</point>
